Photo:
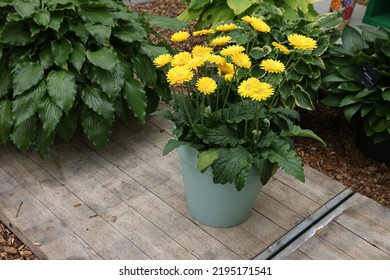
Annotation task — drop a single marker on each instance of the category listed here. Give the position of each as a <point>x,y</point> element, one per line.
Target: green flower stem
<point>202,113</point>
<point>246,123</point>
<point>186,111</point>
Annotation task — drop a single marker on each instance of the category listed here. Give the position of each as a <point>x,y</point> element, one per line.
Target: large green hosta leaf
<point>67,125</point>
<point>16,33</point>
<point>104,58</point>
<point>111,82</point>
<point>97,15</point>
<point>96,101</point>
<point>145,69</point>
<point>130,34</point>
<point>61,49</point>
<point>26,8</point>
<point>6,80</point>
<point>136,98</point>
<point>77,57</point>
<point>231,165</point>
<point>100,32</point>
<point>97,128</point>
<point>26,75</point>
<point>61,86</point>
<point>5,120</point>
<point>43,142</point>
<point>42,18</point>
<point>26,105</point>
<point>50,114</point>
<point>23,135</point>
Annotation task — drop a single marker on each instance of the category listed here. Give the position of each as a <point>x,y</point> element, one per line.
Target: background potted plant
<point>69,62</point>
<point>358,82</point>
<point>231,119</point>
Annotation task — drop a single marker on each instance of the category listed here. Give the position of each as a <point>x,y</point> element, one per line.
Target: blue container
<point>213,204</point>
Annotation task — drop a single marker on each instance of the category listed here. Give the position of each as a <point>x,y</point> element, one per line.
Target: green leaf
<point>297,131</point>
<point>145,69</point>
<point>264,168</point>
<point>349,72</point>
<point>348,100</point>
<point>61,86</point>
<point>104,58</point>
<point>80,30</point>
<point>198,4</point>
<point>302,98</point>
<point>50,114</point>
<point>26,105</point>
<point>42,18</point>
<point>23,135</point>
<point>111,82</point>
<point>56,20</point>
<point>6,80</point>
<point>258,52</point>
<point>323,44</point>
<point>222,136</point>
<point>371,33</point>
<point>61,49</point>
<point>16,33</point>
<point>130,34</point>
<point>96,101</point>
<point>333,78</point>
<point>353,41</point>
<point>207,158</point>
<point>45,56</point>
<point>100,32</point>
<point>96,128</point>
<point>67,125</point>
<point>350,111</point>
<point>303,68</point>
<point>97,15</point>
<point>351,86</point>
<point>385,95</point>
<point>77,57</point>
<point>171,145</point>
<point>153,51</point>
<point>26,75</point>
<point>43,142</point>
<point>239,7</point>
<point>285,157</point>
<point>5,120</point>
<point>230,164</point>
<point>26,9</point>
<point>164,22</point>
<point>135,95</point>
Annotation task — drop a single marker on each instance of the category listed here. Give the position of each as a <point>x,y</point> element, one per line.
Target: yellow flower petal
<point>220,41</point>
<point>231,50</point>
<point>260,25</point>
<point>226,27</point>
<point>180,36</point>
<point>302,42</point>
<point>203,32</point>
<point>206,85</point>
<point>248,86</point>
<point>264,91</point>
<point>281,48</point>
<point>272,66</point>
<point>242,60</point>
<point>162,60</point>
<point>181,58</point>
<point>179,75</point>
<point>201,51</point>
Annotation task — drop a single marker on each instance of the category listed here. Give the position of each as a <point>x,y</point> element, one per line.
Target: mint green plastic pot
<point>213,204</point>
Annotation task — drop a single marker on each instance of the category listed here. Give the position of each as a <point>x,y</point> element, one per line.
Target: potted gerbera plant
<point>233,128</point>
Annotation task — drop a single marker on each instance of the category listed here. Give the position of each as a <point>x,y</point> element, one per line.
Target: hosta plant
<point>65,63</point>
<point>207,12</point>
<point>358,79</point>
<point>227,99</point>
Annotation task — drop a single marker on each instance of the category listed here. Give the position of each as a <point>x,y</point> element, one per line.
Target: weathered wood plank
<point>150,206</point>
<point>297,255</point>
<point>317,248</point>
<point>36,225</point>
<point>150,239</point>
<point>350,243</point>
<point>370,221</point>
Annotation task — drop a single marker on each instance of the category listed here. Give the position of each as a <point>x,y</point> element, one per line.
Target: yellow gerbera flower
<point>201,51</point>
<point>181,58</point>
<point>203,32</point>
<point>232,50</point>
<point>206,85</point>
<point>226,27</point>
<point>180,36</point>
<point>241,60</point>
<point>162,60</point>
<point>228,77</point>
<point>260,25</point>
<point>265,90</point>
<point>281,48</point>
<point>217,59</point>
<point>226,68</point>
<point>220,41</point>
<point>248,86</point>
<point>247,19</point>
<point>179,75</point>
<point>195,62</point>
<point>302,42</point>
<point>272,65</point>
